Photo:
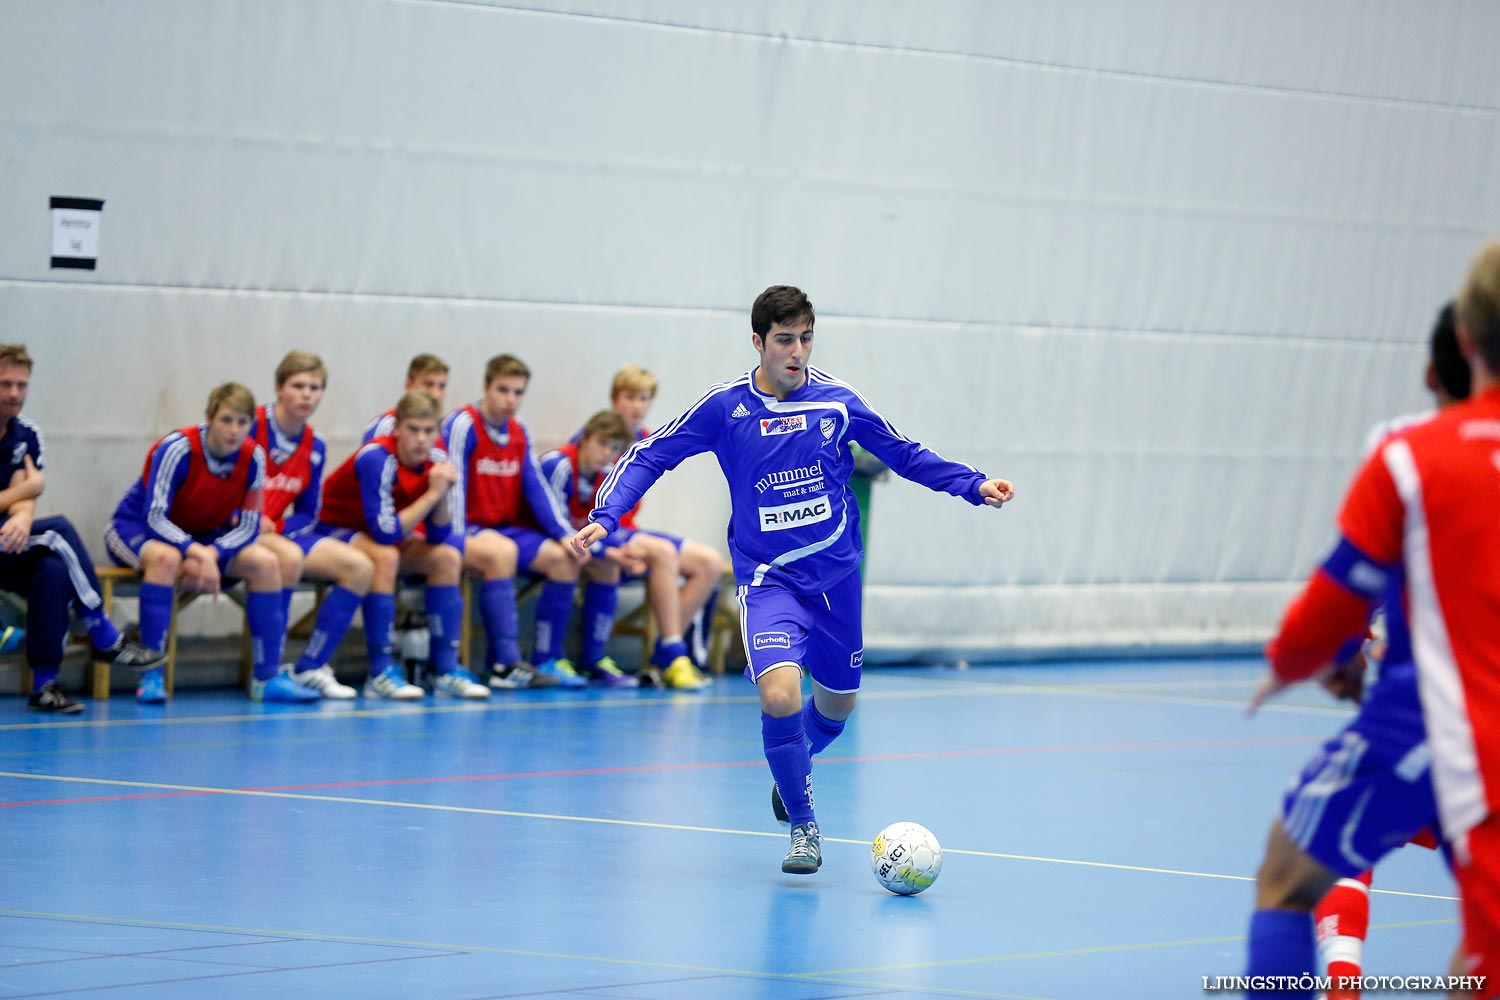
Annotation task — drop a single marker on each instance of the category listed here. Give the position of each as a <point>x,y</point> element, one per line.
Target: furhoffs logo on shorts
<point>771,640</point>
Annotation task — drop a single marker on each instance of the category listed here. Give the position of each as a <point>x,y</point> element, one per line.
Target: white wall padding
<point>1161,263</point>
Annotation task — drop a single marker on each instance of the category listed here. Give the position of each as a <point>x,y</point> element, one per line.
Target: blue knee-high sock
<point>267,632</point>
<point>445,611</point>
<point>333,621</point>
<point>497,607</point>
<point>791,764</point>
<point>820,729</point>
<point>286,604</point>
<point>599,603</point>
<point>156,615</point>
<point>1282,943</point>
<point>552,611</point>
<point>380,622</point>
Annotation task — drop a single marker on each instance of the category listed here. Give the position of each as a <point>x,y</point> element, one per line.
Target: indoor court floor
<point>1101,823</point>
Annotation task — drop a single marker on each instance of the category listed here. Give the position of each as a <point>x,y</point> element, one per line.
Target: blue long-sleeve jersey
<point>793,519</point>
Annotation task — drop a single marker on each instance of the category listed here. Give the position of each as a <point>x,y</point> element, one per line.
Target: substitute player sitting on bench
<point>295,458</point>
<point>192,519</point>
<point>375,501</point>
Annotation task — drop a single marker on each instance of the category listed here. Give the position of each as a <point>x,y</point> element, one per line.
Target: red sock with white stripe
<point>1343,919</point>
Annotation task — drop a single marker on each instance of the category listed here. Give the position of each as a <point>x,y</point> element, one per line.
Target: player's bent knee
<point>160,557</point>
<point>259,567</point>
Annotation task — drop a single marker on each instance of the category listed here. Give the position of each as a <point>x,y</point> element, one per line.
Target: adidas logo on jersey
<point>740,411</point>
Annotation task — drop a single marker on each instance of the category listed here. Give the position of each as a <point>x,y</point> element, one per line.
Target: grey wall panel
<point>1161,263</point>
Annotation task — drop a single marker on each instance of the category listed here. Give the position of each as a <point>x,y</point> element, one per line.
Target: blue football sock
<point>102,632</point>
<point>267,632</point>
<point>333,621</point>
<point>156,615</point>
<point>1282,943</point>
<point>497,607</point>
<point>667,651</point>
<point>552,611</point>
<point>445,612</point>
<point>820,729</point>
<point>286,604</point>
<point>380,622</point>
<point>599,603</point>
<point>42,676</point>
<point>791,764</point>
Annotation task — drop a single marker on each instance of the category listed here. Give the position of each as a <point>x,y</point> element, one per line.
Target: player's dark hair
<point>1477,308</point>
<point>1447,360</point>
<point>780,304</point>
<point>607,425</point>
<point>504,364</point>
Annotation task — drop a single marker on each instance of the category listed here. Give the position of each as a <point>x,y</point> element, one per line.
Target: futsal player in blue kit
<point>781,433</point>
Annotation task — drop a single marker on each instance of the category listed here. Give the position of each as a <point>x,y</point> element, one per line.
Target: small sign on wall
<point>75,232</point>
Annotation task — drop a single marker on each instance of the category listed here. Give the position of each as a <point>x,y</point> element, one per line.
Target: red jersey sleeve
<point>1334,607</point>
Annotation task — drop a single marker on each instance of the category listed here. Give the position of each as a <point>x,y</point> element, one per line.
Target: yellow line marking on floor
<point>643,824</point>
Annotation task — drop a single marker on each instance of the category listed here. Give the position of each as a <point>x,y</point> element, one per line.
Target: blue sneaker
<point>12,638</point>
<point>153,688</point>
<point>561,669</point>
<point>281,688</point>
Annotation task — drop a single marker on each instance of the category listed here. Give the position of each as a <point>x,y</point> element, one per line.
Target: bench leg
<point>169,666</point>
<point>466,626</point>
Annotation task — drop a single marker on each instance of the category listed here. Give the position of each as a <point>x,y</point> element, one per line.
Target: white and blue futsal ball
<point>906,858</point>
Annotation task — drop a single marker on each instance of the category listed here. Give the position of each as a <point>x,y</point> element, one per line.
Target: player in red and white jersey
<point>1420,528</point>
<point>296,456</point>
<point>512,522</point>
<point>376,500</point>
<point>1342,917</point>
<point>426,373</point>
<point>193,517</point>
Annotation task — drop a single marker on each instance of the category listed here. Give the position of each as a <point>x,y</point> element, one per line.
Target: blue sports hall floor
<point>1100,822</point>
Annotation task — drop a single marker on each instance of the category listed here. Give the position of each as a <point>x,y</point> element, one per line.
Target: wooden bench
<point>112,576</point>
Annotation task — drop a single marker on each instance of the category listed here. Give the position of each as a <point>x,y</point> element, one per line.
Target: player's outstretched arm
<point>995,492</point>
<point>587,536</point>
